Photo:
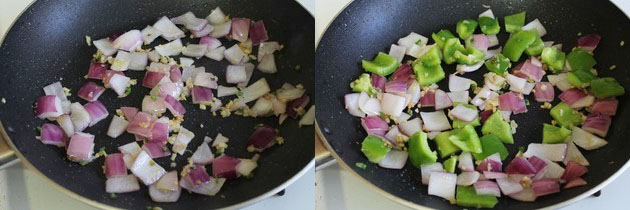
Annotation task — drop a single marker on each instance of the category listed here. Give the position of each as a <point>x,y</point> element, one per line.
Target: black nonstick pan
<point>364,28</point>
<point>47,44</point>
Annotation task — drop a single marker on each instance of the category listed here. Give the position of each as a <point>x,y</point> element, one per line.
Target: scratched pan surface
<point>366,27</point>
<point>47,44</point>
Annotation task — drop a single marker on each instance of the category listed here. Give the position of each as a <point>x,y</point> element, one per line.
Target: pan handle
<point>7,156</point>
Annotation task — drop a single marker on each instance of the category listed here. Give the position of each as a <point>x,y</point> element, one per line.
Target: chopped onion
<point>308,118</point>
<point>197,175</point>
<point>65,122</point>
<point>494,175</point>
<point>149,34</point>
<point>267,48</point>
<point>485,114</point>
<point>154,56</point>
<point>96,71</point>
<point>457,83</point>
<point>487,13</point>
<point>525,195</point>
<point>461,68</point>
<point>545,187</point>
<point>195,50</point>
<point>240,29</point>
<point>374,125</point>
<point>485,94</point>
<point>97,112</point>
<point>81,147</point>
<point>159,130</point>
<point>173,105</point>
<point>535,24</point>
<point>414,92</point>
<point>234,54</point>
<point>508,186</point>
<point>574,154</point>
<point>411,127</point>
<point>203,155</point>
<point>221,30</point>
<point>129,112</point>
<point>210,188</point>
<point>493,52</point>
<point>443,185</point>
<point>235,74</point>
<point>544,92</point>
<point>427,169</point>
<point>427,98</point>
<point>53,135</point>
<point>262,107</point>
<point>552,171</point>
<point>122,184</point>
<point>153,105</point>
<point>129,41</point>
<point>168,29</point>
<point>575,183</point>
<point>395,159</point>
<point>465,162</point>
<point>480,41</point>
<point>412,39</point>
<point>191,22</point>
<point>597,123</point>
<point>152,78</point>
<point>216,16</point>
<point>166,189</point>
<point>442,101</point>
<point>147,170</point>
<point>268,64</point>
<point>117,126</point>
<point>589,42</point>
<point>520,165</point>
<point>156,149</point>
<point>458,96</point>
<point>255,90</point>
<point>538,164</point>
<point>586,140</point>
<point>80,117</point>
<point>211,42</point>
<point>141,124</point>
<point>263,138</point>
<point>552,152</point>
<point>467,178</point>
<point>573,170</point>
<point>560,81</point>
<point>227,91</point>
<point>576,98</point>
<point>172,48</point>
<point>397,52</point>
<point>90,91</point>
<point>351,102</point>
<point>279,107</point>
<point>258,33</point>
<point>464,113</point>
<point>532,71</point>
<point>604,106</point>
<point>130,151</point>
<point>249,70</point>
<point>484,187</point>
<point>202,95</point>
<point>115,165</point>
<point>48,107</point>
<point>490,164</point>
<point>138,61</point>
<point>206,79</point>
<point>220,139</point>
<point>122,61</point>
<point>391,104</point>
<point>191,72</point>
<point>225,167</point>
<point>435,121</point>
<point>105,46</point>
<point>515,82</point>
<point>119,84</point>
<point>513,102</point>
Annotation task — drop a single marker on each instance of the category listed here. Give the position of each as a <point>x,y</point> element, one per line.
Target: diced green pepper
<point>450,47</point>
<point>491,144</point>
<point>382,65</point>
<point>432,57</point>
<point>536,48</point>
<point>444,146</point>
<point>518,42</point>
<point>514,23</point>
<point>555,135</point>
<point>374,148</point>
<point>441,36</point>
<point>497,126</point>
<point>419,151</point>
<point>580,60</point>
<point>498,64</point>
<point>449,164</point>
<point>566,116</point>
<point>489,25</point>
<point>465,28</point>
<point>461,124</point>
<point>553,58</point>
<point>467,197</point>
<point>606,87</point>
<point>427,74</point>
<point>581,78</point>
<point>363,84</point>
<point>470,56</point>
<point>466,139</point>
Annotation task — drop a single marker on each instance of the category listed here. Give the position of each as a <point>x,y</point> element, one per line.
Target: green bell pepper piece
<point>466,139</point>
<point>450,47</point>
<point>514,23</point>
<point>374,148</point>
<point>498,64</point>
<point>449,164</point>
<point>461,124</point>
<point>580,60</point>
<point>444,146</point>
<point>555,135</point>
<point>536,48</point>
<point>581,78</point>
<point>491,144</point>
<point>518,42</point>
<point>363,84</point>
<point>427,73</point>
<point>441,36</point>
<point>465,28</point>
<point>432,57</point>
<point>606,87</point>
<point>489,25</point>
<point>419,151</point>
<point>466,196</point>
<point>497,126</point>
<point>566,116</point>
<point>382,65</point>
<point>470,56</point>
<point>554,58</point>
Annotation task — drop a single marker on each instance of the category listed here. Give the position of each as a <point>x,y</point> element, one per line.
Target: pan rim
<point>414,205</point>
<point>22,159</point>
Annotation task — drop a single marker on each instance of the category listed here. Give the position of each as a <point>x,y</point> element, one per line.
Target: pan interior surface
<point>47,44</point>
<point>365,28</point>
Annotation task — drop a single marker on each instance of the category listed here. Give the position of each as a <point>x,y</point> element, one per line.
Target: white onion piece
<point>397,52</point>
<point>508,186</point>
<point>119,84</point>
<point>553,152</point>
<point>573,154</point>
<point>191,72</point>
<point>129,41</point>
<point>154,56</point>
<point>427,169</point>
<point>57,90</point>
<point>105,46</point>
<point>80,117</point>
<point>417,51</point>
<point>308,118</point>
<point>138,61</point>
<point>249,70</point>
<point>493,41</point>
<point>246,166</point>
<point>117,127</point>
<point>414,93</point>
<point>184,136</point>
<point>395,159</point>
<point>210,188</point>
<point>464,113</point>
<point>262,107</point>
<point>65,122</point>
<point>412,39</point>
<point>468,68</point>
<point>202,155</point>
<point>371,107</point>
<point>435,121</point>
<point>288,92</point>
<point>586,140</point>
<point>172,48</point>
<point>584,102</point>
<point>268,64</point>
<point>457,83</point>
<point>431,135</point>
<point>255,90</point>
<point>122,61</point>
<point>130,151</point>
<point>403,117</point>
<point>492,53</point>
<point>190,21</point>
<point>216,54</point>
<point>226,91</point>
<point>169,30</point>
<point>149,34</point>
<point>278,106</point>
<point>465,162</point>
<point>234,54</point>
<point>216,16</point>
<point>153,105</point>
<point>487,13</point>
<point>204,31</point>
<point>147,170</point>
<point>410,127</point>
<point>442,101</point>
<point>535,24</point>
<point>467,178</point>
<point>267,48</point>
<point>220,139</point>
<point>443,185</point>
<point>206,79</point>
<point>122,184</point>
<point>163,196</point>
<point>195,50</point>
<point>459,96</point>
<point>392,134</point>
<point>392,105</point>
<point>516,83</point>
<point>235,74</point>
<point>221,30</point>
<point>351,102</point>
<point>560,81</point>
<point>506,115</point>
<point>483,95</point>
<point>184,61</point>
<point>552,171</point>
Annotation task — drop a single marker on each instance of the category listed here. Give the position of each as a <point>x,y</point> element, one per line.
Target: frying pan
<point>47,44</point>
<point>364,28</point>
